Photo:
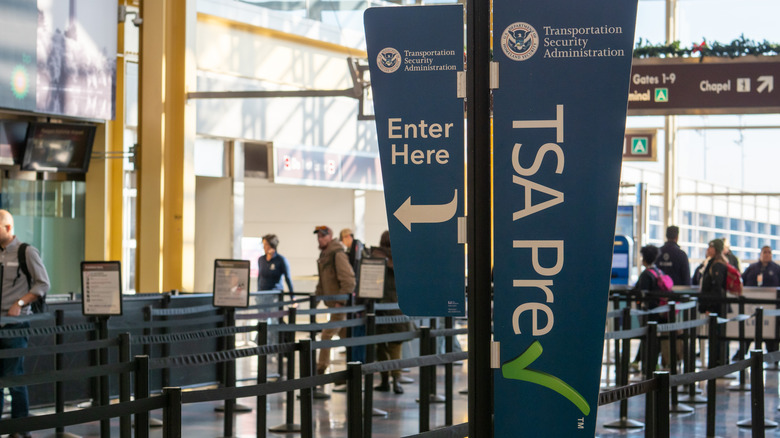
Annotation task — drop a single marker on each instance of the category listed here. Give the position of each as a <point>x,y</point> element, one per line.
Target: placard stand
<point>372,288</point>
<point>101,297</point>
<point>231,290</point>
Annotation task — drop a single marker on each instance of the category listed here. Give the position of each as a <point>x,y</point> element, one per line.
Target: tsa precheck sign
<point>415,55</point>
<point>559,119</point>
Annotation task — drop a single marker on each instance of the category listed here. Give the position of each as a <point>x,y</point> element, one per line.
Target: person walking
<point>336,277</point>
<point>18,291</point>
<point>272,266</point>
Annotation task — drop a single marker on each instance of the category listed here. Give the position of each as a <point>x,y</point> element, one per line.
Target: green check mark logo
<point>516,369</point>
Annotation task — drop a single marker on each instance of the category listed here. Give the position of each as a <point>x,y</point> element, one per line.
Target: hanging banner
<point>559,116</point>
<point>415,56</point>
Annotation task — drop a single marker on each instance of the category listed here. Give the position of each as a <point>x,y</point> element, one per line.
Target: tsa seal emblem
<point>519,41</point>
<point>388,60</point>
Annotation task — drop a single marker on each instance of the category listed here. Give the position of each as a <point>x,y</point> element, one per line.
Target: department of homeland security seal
<point>388,60</point>
<point>519,41</point>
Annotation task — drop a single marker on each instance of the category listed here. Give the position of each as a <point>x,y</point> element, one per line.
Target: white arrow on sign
<point>426,214</point>
<point>767,83</point>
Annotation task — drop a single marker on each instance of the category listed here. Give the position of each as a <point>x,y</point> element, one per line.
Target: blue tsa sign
<point>416,58</point>
<point>559,116</point>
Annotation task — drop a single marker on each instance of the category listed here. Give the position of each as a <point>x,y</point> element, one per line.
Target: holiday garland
<point>739,47</point>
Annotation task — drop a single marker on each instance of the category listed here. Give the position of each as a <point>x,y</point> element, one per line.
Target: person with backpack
<point>713,290</point>
<point>648,284</point>
<point>672,260</point>
<point>25,281</point>
<point>389,350</point>
<point>713,280</point>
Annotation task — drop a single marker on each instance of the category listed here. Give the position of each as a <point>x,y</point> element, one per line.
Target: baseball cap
<point>323,230</point>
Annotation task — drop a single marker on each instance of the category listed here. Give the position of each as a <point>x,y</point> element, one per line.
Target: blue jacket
<point>269,276</point>
<point>770,275</point>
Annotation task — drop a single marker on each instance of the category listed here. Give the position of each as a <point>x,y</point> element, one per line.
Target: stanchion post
<point>307,418</point>
<point>662,405</point>
<point>712,363</point>
<point>757,422</point>
<point>165,303</point>
<point>290,405</point>
<point>281,338</point>
<point>230,373</point>
<point>742,343</point>
<point>105,425</point>
<point>147,349</point>
<point>354,402</point>
<point>368,384</point>
<point>757,391</point>
<point>261,418</point>
<point>617,344</point>
<point>651,350</point>
<point>448,376</point>
<point>289,424</point>
<point>125,426</point>
<point>433,350</point>
<point>676,406</point>
<point>673,341</point>
<point>622,379</point>
<point>651,359</point>
<point>312,319</point>
<point>425,381</point>
<point>759,336</point>
<point>172,412</point>
<point>625,358</point>
<point>350,303</point>
<point>690,360</point>
<point>141,392</point>
<point>59,385</point>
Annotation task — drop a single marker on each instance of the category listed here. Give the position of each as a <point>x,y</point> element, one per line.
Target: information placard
<point>231,283</point>
<point>372,278</point>
<point>101,288</point>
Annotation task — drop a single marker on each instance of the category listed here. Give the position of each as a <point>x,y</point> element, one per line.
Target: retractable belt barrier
<point>659,384</point>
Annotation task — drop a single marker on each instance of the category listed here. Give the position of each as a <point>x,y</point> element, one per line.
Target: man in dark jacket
<point>673,260</point>
<point>354,250</point>
<point>764,272</point>
<point>336,277</point>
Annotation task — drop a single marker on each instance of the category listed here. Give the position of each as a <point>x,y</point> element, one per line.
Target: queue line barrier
<point>219,332</point>
<point>659,422</point>
<point>123,410</point>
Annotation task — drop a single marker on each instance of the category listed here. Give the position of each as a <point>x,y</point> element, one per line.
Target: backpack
<point>39,305</point>
<point>733,279</point>
<point>665,282</point>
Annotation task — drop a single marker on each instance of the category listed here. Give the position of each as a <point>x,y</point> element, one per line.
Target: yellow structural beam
<point>104,207</point>
<point>166,180</point>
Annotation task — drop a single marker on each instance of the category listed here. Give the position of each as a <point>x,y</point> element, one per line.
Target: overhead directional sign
<point>415,56</point>
<point>558,117</point>
<point>709,86</point>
